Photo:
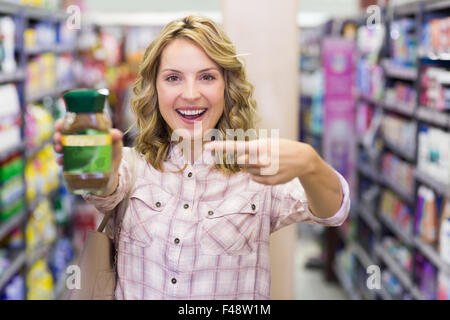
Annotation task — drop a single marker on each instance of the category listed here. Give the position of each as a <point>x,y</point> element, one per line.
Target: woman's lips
<point>191,119</point>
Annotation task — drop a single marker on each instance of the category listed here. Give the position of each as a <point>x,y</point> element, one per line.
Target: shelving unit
<point>370,214</point>
<point>22,16</point>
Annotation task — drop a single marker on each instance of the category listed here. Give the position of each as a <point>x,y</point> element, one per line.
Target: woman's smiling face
<point>190,88</point>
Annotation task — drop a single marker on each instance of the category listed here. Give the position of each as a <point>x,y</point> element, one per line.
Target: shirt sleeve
<point>105,204</point>
<point>290,205</point>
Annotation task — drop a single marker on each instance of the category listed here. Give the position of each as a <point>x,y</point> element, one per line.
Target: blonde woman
<point>198,227</point>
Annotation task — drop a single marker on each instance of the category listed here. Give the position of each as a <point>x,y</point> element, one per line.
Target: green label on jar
<point>92,159</point>
<point>87,152</point>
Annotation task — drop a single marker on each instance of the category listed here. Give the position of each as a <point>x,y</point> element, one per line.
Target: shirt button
<point>210,213</point>
<point>190,174</point>
<point>253,207</point>
<point>186,206</point>
<point>174,280</point>
<point>177,241</point>
<point>158,204</point>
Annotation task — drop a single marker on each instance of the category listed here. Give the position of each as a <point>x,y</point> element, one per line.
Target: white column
<point>267,31</point>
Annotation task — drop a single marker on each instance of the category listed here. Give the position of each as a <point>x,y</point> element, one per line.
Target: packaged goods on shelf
<point>15,289</point>
<point>40,35</point>
<point>426,275</point>
<point>46,4</point>
<point>398,172</point>
<point>434,153</point>
<point>403,42</point>
<point>65,76</point>
<point>392,284</point>
<point>427,215</point>
<point>7,45</point>
<point>364,114</point>
<point>399,133</point>
<point>401,93</point>
<point>12,188</point>
<point>41,74</point>
<point>40,282</point>
<point>42,174</point>
<point>61,256</point>
<point>435,39</point>
<point>39,126</point>
<point>370,80</point>
<point>444,252</point>
<point>435,91</point>
<point>41,229</point>
<point>10,119</point>
<point>396,212</point>
<point>399,252</point>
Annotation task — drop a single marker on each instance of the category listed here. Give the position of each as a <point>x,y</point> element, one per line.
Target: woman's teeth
<point>191,114</point>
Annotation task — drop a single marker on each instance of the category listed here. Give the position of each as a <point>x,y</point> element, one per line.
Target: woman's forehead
<point>185,55</point>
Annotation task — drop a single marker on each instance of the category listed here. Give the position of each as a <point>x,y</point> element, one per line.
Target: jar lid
<point>86,100</point>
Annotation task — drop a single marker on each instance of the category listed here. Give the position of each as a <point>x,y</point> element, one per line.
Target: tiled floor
<point>310,284</point>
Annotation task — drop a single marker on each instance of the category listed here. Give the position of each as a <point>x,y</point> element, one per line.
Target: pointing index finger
<point>229,146</point>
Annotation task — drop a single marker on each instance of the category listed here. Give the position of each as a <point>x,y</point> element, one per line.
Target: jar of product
<point>86,142</point>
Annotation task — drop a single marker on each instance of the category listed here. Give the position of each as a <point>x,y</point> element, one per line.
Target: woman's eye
<point>208,77</point>
<point>172,78</point>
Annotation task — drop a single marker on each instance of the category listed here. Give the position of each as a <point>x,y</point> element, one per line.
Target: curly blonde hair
<point>153,137</point>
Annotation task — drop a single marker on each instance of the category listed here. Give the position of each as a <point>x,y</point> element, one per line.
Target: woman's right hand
<point>117,146</point>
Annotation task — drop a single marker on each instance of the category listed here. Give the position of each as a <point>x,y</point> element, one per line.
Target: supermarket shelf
<point>427,55</point>
<point>55,49</point>
<point>52,93</point>
<point>346,284</point>
<point>369,218</point>
<point>404,195</point>
<point>34,204</point>
<point>9,225</point>
<point>15,266</point>
<point>17,149</point>
<point>399,108</point>
<point>17,76</point>
<point>439,187</point>
<point>10,8</point>
<point>402,235</point>
<point>60,287</point>
<point>368,99</point>
<point>432,255</point>
<point>399,151</point>
<point>399,272</point>
<point>30,154</point>
<point>433,116</point>
<point>369,172</point>
<point>406,9</point>
<point>31,12</point>
<point>434,5</point>
<point>362,255</point>
<point>44,14</point>
<point>366,261</point>
<point>39,253</point>
<point>400,72</point>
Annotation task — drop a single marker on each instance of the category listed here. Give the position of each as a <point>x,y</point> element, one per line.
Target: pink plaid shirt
<point>199,234</point>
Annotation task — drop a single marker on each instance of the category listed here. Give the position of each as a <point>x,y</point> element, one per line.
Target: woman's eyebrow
<point>204,70</point>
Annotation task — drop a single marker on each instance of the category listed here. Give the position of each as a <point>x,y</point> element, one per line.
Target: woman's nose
<point>191,90</point>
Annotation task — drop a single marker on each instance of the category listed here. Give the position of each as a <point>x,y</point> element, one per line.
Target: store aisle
<point>310,284</point>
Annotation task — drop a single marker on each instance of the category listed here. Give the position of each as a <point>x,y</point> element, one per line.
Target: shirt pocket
<point>230,226</point>
<point>141,219</point>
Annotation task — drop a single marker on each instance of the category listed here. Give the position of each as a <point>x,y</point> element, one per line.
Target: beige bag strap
<point>108,214</point>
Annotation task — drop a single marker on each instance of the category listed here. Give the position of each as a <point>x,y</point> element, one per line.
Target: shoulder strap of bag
<point>131,156</point>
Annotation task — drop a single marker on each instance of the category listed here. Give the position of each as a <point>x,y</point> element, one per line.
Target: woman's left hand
<point>270,161</point>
